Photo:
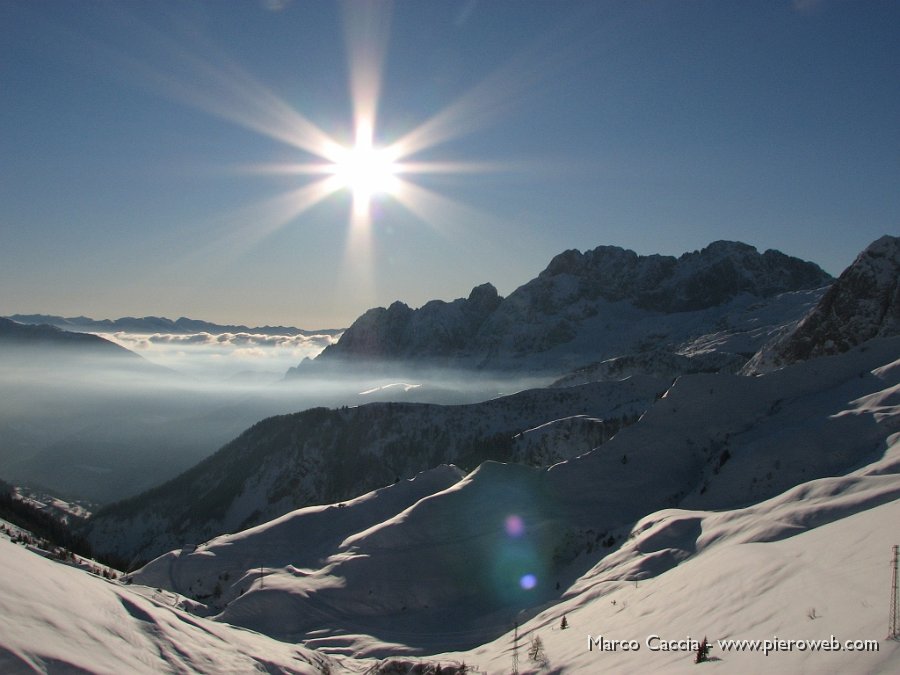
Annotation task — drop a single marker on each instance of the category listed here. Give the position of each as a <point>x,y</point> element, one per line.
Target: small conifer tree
<point>702,651</point>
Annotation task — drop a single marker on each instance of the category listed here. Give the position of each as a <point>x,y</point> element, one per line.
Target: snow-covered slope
<point>736,508</point>
<point>301,539</point>
<point>455,568</point>
<point>862,304</point>
<point>321,456</point>
<point>810,564</point>
<point>659,363</point>
<point>59,619</point>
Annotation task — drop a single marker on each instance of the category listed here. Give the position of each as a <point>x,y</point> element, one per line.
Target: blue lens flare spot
<point>515,526</point>
<point>528,581</point>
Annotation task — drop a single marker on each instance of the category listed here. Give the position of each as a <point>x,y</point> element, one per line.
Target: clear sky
<point>191,158</point>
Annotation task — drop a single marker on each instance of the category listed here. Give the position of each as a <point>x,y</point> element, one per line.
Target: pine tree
<point>564,623</point>
<point>702,651</point>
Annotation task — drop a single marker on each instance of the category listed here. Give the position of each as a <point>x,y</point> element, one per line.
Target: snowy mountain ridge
<point>583,307</point>
<point>321,456</point>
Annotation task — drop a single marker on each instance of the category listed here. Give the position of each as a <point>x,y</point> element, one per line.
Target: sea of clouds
<point>225,356</point>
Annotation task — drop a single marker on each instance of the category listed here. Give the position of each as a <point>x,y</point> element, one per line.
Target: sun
<point>365,170</point>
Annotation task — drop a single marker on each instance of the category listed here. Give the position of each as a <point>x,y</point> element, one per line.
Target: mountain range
<point>322,456</point>
<point>157,324</point>
<point>589,306</point>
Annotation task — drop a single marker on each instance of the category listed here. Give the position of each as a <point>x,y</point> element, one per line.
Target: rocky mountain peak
<point>864,303</point>
<point>484,298</point>
<point>884,247</point>
<point>567,262</point>
<point>695,280</point>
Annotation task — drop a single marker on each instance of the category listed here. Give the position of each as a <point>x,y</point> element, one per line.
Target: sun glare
<point>365,170</point>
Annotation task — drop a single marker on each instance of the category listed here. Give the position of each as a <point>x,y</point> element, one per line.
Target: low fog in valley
<point>101,428</point>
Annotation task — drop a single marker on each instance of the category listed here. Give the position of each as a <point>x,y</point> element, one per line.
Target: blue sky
<point>147,149</point>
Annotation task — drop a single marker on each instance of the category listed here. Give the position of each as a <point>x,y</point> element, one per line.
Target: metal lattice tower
<point>894,622</point>
<point>515,668</point>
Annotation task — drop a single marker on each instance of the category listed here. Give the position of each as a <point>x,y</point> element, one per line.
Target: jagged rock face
<point>564,302</point>
<point>575,290</point>
<point>693,281</point>
<point>437,329</point>
<point>864,303</point>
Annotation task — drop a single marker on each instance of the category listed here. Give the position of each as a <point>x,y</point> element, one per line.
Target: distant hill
<point>15,335</point>
<point>586,307</point>
<point>158,324</point>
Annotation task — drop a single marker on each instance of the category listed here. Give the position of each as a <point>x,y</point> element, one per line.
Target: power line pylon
<point>515,667</point>
<point>894,622</point>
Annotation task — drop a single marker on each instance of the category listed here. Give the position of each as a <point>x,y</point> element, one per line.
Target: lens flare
<point>528,581</point>
<point>514,526</point>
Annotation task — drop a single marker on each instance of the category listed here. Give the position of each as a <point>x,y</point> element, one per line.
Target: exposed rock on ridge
<point>436,329</point>
<point>569,305</point>
<point>864,303</point>
<point>695,280</point>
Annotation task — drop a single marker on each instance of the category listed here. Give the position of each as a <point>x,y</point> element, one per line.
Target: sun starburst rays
<point>369,171</point>
<point>366,170</point>
<point>187,67</point>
